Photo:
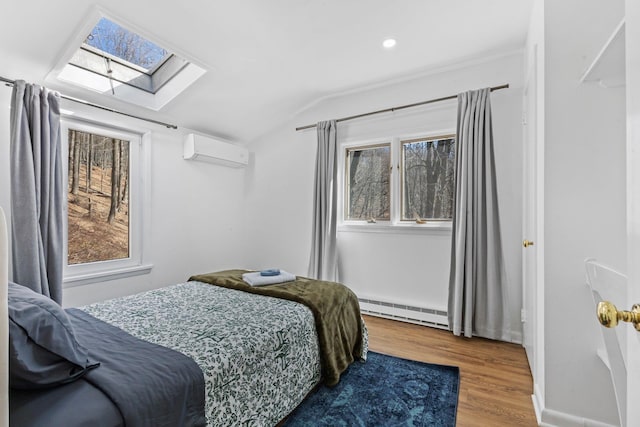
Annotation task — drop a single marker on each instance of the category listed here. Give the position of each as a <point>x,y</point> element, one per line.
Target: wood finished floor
<point>495,381</point>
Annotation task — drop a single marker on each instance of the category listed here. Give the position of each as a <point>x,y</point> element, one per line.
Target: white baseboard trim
<point>538,403</point>
<point>551,418</point>
<point>516,337</point>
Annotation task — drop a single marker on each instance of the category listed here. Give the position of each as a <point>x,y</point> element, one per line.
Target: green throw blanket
<point>335,309</point>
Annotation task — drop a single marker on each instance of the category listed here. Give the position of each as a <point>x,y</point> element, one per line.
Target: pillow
<point>43,350</point>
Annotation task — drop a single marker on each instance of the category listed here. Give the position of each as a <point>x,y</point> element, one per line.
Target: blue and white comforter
<point>259,355</point>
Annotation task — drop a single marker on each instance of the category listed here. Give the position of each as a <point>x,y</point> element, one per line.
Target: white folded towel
<point>255,279</point>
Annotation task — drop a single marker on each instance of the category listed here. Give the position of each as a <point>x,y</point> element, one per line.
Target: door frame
<point>632,64</point>
<point>529,202</point>
<point>535,81</point>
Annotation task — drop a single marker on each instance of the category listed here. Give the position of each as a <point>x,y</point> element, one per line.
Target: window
<point>368,192</point>
<point>97,198</point>
<point>427,170</point>
<point>103,226</point>
<point>112,59</point>
<point>111,39</point>
<point>400,182</point>
<point>124,57</point>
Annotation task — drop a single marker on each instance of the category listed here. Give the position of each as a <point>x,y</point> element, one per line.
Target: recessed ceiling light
<point>389,43</point>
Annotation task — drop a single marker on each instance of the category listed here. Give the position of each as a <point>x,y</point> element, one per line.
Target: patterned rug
<point>384,391</point>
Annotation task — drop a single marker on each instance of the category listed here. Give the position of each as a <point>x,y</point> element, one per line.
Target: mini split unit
<point>199,147</point>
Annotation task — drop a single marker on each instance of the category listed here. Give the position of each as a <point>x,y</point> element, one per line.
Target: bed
<point>257,356</point>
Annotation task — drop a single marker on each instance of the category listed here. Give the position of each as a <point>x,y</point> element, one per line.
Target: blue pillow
<point>43,350</point>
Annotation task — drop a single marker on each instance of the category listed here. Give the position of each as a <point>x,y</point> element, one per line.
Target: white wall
<point>584,206</point>
<point>195,210</point>
<point>401,267</point>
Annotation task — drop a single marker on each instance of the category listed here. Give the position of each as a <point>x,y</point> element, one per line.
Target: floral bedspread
<point>259,355</point>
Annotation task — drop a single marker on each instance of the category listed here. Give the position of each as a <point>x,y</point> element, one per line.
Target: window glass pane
<point>98,198</point>
<point>130,47</point>
<point>428,178</point>
<point>368,194</point>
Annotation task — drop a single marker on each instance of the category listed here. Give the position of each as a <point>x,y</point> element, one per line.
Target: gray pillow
<point>43,350</point>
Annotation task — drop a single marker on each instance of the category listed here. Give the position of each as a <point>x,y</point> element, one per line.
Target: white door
<point>632,28</point>
<point>529,229</point>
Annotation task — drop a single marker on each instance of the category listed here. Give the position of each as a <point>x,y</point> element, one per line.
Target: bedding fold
<point>335,309</point>
<point>150,384</point>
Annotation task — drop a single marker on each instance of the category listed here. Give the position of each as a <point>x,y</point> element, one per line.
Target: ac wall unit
<point>199,147</point>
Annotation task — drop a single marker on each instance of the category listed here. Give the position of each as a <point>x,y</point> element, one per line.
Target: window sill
<point>435,227</point>
<point>104,276</point>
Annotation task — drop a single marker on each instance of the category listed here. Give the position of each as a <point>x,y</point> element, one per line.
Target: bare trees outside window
<point>428,178</point>
<point>98,198</point>
<point>368,191</point>
<point>400,181</point>
<point>113,39</point>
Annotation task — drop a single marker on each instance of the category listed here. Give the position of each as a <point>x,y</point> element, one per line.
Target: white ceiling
<point>268,59</point>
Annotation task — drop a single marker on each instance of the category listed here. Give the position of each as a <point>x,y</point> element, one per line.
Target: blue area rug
<point>384,391</point>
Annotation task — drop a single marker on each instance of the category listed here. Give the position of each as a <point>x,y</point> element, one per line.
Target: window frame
<point>347,167</point>
<point>81,274</point>
<point>395,224</point>
<point>401,169</point>
<point>169,80</point>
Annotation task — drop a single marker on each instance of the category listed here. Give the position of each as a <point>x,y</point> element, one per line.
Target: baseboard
<point>551,418</point>
<point>516,337</point>
<point>538,403</point>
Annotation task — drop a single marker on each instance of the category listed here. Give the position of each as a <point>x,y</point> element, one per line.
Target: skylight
<point>116,41</point>
<point>113,60</point>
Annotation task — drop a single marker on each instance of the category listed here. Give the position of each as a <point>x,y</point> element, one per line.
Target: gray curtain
<point>477,286</point>
<point>37,192</point>
<point>323,264</point>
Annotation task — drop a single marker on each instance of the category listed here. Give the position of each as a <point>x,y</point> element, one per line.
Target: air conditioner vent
<point>200,147</point>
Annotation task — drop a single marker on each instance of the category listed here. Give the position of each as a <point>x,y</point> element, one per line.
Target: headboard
<point>4,324</point>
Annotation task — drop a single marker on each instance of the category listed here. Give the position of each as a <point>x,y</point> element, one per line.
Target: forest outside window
<point>368,183</point>
<point>103,226</point>
<point>427,178</point>
<point>400,182</point>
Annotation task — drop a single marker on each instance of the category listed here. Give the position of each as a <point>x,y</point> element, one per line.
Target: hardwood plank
<point>495,381</point>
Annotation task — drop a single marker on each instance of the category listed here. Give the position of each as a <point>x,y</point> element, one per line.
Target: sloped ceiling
<point>267,59</point>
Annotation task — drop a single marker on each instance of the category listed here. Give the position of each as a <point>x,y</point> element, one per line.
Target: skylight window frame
<point>154,81</point>
<point>99,52</point>
<point>125,63</point>
<point>185,69</point>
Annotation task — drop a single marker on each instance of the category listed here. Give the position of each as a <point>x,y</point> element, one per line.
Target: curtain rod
<point>386,110</point>
<point>10,82</point>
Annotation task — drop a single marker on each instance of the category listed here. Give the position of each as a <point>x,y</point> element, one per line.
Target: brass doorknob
<point>609,315</point>
<point>526,243</point>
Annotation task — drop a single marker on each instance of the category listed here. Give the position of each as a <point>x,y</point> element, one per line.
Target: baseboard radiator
<point>405,313</point>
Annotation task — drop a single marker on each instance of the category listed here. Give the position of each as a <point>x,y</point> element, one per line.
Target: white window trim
<point>139,229</point>
<point>75,77</point>
<point>395,225</point>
